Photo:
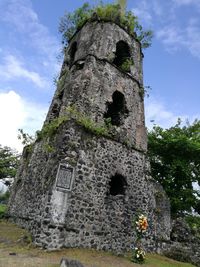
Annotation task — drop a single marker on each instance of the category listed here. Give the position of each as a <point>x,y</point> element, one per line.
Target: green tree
<point>70,22</point>
<point>175,162</point>
<point>9,161</point>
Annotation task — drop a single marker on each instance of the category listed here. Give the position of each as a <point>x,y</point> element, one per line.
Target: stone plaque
<point>64,177</point>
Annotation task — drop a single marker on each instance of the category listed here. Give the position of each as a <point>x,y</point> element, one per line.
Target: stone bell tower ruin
<point>86,176</point>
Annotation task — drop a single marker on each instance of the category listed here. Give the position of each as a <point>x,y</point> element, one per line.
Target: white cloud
<point>176,38</point>
<point>157,113</point>
<point>186,2</point>
<point>174,31</point>
<point>171,37</point>
<point>18,113</point>
<point>157,8</point>
<point>149,12</point>
<point>192,38</point>
<point>21,16</point>
<point>33,58</point>
<point>184,33</point>
<point>142,12</point>
<point>13,68</point>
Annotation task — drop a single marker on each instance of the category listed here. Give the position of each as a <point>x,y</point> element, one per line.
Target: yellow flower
<point>142,223</point>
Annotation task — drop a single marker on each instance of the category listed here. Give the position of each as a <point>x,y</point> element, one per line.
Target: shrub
<point>193,222</point>
<point>71,22</point>
<point>51,128</point>
<point>88,124</point>
<point>3,209</point>
<point>126,65</point>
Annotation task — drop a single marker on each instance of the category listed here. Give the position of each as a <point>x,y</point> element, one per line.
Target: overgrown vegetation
<point>88,124</point>
<point>49,148</point>
<point>51,128</point>
<point>144,91</point>
<point>194,223</point>
<point>71,22</point>
<point>126,65</point>
<point>174,155</point>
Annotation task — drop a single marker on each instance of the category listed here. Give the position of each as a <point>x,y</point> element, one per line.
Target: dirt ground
<point>16,250</point>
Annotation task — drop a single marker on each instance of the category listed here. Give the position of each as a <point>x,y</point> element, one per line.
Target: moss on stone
<point>50,129</point>
<point>88,124</point>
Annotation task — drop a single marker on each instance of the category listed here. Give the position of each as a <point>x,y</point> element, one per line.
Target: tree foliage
<point>117,13</point>
<point>175,162</point>
<point>9,160</point>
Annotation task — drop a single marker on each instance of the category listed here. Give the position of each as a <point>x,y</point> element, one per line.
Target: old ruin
<point>87,175</point>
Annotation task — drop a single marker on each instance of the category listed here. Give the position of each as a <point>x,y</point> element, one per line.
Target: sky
<point>30,46</point>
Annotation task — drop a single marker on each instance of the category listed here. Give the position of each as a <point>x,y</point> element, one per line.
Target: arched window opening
<point>72,52</point>
<point>60,95</point>
<point>55,110</point>
<point>116,110</point>
<point>117,185</point>
<point>122,54</point>
<point>80,65</point>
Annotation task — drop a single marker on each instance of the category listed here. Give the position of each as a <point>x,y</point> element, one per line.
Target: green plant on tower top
<point>71,22</point>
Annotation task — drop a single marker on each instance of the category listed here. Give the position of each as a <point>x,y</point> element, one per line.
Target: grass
<point>14,240</point>
<point>160,261</point>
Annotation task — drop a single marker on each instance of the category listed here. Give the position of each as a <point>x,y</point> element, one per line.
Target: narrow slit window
<point>72,52</point>
<point>55,110</point>
<point>60,95</point>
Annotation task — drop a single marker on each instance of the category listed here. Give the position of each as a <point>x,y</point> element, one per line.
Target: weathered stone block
<point>70,263</point>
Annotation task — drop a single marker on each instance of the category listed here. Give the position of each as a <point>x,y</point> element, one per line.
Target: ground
<point>16,250</point>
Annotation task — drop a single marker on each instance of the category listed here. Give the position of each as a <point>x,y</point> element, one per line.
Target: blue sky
<point>30,45</point>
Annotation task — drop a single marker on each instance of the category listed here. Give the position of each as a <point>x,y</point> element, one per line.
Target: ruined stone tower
<point>86,176</point>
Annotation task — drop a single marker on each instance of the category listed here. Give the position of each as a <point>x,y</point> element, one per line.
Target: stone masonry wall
<point>78,188</point>
<point>92,87</point>
<point>100,39</point>
<point>88,215</point>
